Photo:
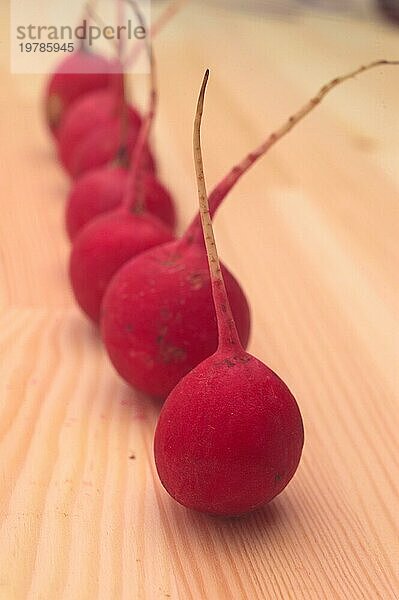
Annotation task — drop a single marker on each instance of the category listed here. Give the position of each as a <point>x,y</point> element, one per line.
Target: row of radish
<point>174,322</point>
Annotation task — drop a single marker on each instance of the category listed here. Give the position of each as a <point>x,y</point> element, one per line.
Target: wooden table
<point>312,233</point>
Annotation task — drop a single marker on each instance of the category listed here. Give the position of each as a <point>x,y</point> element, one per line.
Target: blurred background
<point>388,9</point>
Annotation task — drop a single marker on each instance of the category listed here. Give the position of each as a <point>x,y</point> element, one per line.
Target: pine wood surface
<point>312,234</point>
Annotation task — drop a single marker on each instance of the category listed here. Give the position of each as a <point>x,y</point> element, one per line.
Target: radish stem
<point>228,182</point>
<point>228,335</point>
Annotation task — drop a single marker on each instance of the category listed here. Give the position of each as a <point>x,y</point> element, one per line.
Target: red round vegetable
<point>103,246</point>
<point>156,323</point>
<point>102,190</point>
<point>157,320</point>
<point>230,435</point>
<point>95,129</point>
<point>93,110</point>
<point>96,192</point>
<point>101,146</point>
<point>86,71</point>
<point>107,242</point>
<point>82,72</point>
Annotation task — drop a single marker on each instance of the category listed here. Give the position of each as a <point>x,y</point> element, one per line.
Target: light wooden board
<point>312,233</point>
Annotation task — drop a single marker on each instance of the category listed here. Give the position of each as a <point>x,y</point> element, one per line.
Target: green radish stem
<point>228,336</point>
<point>223,188</point>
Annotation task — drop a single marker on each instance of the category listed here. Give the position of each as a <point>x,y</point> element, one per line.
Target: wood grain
<point>312,234</point>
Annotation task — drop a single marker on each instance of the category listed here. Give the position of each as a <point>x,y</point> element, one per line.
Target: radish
<point>103,246</point>
<point>112,124</point>
<point>96,128</point>
<point>90,113</point>
<point>103,144</point>
<point>90,134</point>
<point>82,72</point>
<point>101,123</point>
<point>86,71</point>
<point>111,239</point>
<point>102,190</point>
<point>157,319</point>
<point>230,435</point>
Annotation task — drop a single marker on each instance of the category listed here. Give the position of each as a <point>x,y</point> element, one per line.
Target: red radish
<point>157,318</point>
<point>113,238</point>
<point>91,111</point>
<point>82,72</point>
<point>86,71</point>
<point>102,190</point>
<point>98,125</point>
<point>102,145</point>
<point>103,246</point>
<point>245,434</point>
<point>90,134</point>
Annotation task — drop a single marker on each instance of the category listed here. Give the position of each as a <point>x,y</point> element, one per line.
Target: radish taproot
<point>111,239</point>
<point>230,435</point>
<point>157,320</point>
